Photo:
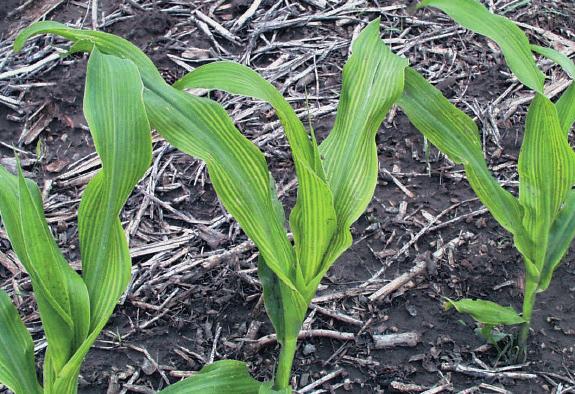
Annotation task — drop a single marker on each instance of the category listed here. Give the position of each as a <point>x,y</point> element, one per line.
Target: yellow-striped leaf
<point>546,174</point>
<point>373,80</point>
<point>472,15</point>
<point>456,135</point>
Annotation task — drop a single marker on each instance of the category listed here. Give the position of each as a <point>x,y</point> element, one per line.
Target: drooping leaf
<point>106,43</point>
<point>221,377</point>
<point>456,135</point>
<point>515,46</point>
<point>486,312</point>
<point>17,368</point>
<point>237,168</point>
<point>557,57</point>
<point>201,128</point>
<point>312,219</point>
<point>546,170</point>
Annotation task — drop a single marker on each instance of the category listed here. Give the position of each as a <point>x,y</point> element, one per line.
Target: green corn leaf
<point>17,369</point>
<point>285,306</point>
<point>566,103</point>
<point>560,238</point>
<point>313,218</point>
<point>472,15</point>
<point>372,81</point>
<point>201,128</point>
<point>60,292</point>
<point>557,57</point>
<point>546,170</point>
<point>486,312</point>
<point>221,377</point>
<point>237,168</point>
<point>86,39</point>
<point>456,135</point>
<point>114,109</point>
<point>566,108</point>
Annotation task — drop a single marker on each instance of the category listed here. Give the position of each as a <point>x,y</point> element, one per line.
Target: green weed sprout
<point>336,179</point>
<point>542,217</point>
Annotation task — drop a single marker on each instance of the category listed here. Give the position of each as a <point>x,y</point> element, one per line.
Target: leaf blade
<point>566,108</point>
<point>514,44</point>
<point>17,369</point>
<point>114,110</point>
<point>372,81</point>
<point>221,377</point>
<point>455,134</point>
<point>486,312</point>
<point>557,57</point>
<point>313,218</point>
<point>546,170</point>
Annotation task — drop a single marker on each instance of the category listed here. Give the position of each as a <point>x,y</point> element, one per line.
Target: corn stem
<point>528,304</point>
<point>283,372</point>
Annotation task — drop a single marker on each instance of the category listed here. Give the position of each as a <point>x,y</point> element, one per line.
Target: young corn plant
<point>74,308</point>
<point>542,218</point>
<point>336,179</point>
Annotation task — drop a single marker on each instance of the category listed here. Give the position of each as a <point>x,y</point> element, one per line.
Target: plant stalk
<point>283,372</point>
<point>528,304</point>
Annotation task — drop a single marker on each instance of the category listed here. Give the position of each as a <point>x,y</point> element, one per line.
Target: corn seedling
<point>336,179</point>
<point>75,308</point>
<point>542,218</point>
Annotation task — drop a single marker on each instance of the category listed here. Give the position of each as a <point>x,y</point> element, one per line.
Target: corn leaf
<point>472,15</point>
<point>114,110</point>
<point>60,292</point>
<point>486,312</point>
<point>221,377</point>
<point>456,135</point>
<point>560,238</point>
<point>313,218</point>
<point>86,39</point>
<point>557,57</point>
<point>73,311</point>
<point>201,128</point>
<point>566,108</point>
<point>17,368</point>
<point>566,103</point>
<point>546,170</point>
<point>372,81</point>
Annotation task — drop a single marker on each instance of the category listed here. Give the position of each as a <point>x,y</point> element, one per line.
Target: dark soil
<point>484,265</point>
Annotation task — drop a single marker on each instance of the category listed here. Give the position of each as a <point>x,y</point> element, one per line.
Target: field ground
<point>195,296</point>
